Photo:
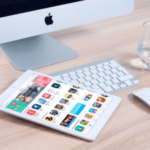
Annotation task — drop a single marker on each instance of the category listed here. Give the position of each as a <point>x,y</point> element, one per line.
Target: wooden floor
<point>129,128</point>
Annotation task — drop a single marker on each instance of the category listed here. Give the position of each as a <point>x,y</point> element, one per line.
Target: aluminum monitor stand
<point>36,52</point>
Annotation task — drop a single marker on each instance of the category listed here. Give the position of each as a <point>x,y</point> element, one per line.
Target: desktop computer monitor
<point>24,24</point>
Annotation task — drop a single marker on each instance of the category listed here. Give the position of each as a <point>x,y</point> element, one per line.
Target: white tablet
<point>59,105</point>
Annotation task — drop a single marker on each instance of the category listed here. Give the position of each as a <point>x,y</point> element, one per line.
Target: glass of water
<point>144,45</point>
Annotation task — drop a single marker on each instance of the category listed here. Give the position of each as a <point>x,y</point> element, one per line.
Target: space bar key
<point>127,77</point>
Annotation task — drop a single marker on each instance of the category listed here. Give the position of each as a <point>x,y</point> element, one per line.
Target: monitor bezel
<point>26,25</point>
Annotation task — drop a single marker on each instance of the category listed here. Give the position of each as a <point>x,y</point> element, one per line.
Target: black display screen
<point>13,7</point>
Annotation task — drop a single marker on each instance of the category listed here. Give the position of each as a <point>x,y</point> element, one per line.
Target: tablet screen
<point>59,103</point>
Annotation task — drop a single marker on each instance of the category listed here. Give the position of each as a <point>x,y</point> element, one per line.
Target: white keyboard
<point>106,75</point>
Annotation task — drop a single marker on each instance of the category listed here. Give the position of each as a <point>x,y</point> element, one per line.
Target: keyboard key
<point>93,67</point>
<point>99,65</point>
<point>107,77</point>
<point>100,69</point>
<point>80,75</point>
<point>94,81</point>
<point>108,82</point>
<point>87,73</point>
<point>74,77</point>
<point>114,76</point>
<point>94,71</point>
<point>75,82</point>
<point>128,82</point>
<point>101,74</point>
<point>102,85</point>
<point>114,65</point>
<point>86,69</point>
<point>58,77</point>
<point>123,70</point>
<point>65,75</point>
<point>108,72</point>
<point>88,78</point>
<point>87,83</point>
<point>72,73</point>
<point>100,91</point>
<point>100,79</point>
<point>95,87</point>
<point>67,79</point>
<point>136,81</point>
<point>114,70</point>
<point>106,63</point>
<point>95,76</point>
<point>79,71</point>
<point>115,80</point>
<point>112,61</point>
<point>120,74</point>
<point>120,68</point>
<point>106,67</point>
<point>126,77</point>
<point>115,86</point>
<point>108,89</point>
<point>123,85</point>
<point>81,80</point>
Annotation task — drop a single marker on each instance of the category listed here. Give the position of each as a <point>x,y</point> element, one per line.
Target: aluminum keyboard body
<point>103,76</point>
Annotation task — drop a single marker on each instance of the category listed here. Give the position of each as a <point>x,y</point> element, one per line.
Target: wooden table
<point>129,128</point>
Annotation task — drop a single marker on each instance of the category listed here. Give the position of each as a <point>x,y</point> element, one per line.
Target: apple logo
<point>48,20</point>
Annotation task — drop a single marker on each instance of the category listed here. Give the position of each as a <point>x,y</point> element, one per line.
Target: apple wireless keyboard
<point>105,75</point>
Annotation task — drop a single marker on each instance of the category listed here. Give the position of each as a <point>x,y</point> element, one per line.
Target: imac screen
<point>13,7</point>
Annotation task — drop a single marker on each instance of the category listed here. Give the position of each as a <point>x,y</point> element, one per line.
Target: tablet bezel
<point>90,136</point>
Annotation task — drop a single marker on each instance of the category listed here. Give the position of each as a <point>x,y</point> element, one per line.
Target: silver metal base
<point>36,52</point>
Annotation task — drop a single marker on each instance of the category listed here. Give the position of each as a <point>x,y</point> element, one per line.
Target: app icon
<point>42,101</point>
<point>44,81</point>
<point>36,106</point>
<point>49,118</point>
<point>77,108</point>
<point>17,106</point>
<point>76,87</point>
<point>54,112</point>
<point>84,122</point>
<point>73,91</point>
<point>104,95</point>
<point>79,128</point>
<point>56,85</point>
<point>88,116</point>
<point>59,107</point>
<point>46,96</point>
<point>31,112</point>
<point>68,96</point>
<point>97,105</point>
<point>101,99</point>
<point>88,97</point>
<point>92,110</point>
<point>69,119</point>
<point>63,101</point>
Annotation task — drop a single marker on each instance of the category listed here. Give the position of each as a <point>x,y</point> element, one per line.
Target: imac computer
<point>24,24</point>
